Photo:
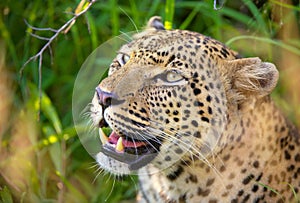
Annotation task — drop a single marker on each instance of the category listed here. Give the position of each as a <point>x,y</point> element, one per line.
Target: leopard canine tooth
<point>103,137</point>
<point>120,146</point>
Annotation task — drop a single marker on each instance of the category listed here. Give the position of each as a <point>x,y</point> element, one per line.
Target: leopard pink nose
<point>104,98</point>
<point>107,98</point>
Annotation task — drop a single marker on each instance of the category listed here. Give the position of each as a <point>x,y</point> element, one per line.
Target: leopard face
<point>161,100</point>
<point>164,99</point>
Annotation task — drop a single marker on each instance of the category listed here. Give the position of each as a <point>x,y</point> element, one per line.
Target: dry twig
<point>63,29</point>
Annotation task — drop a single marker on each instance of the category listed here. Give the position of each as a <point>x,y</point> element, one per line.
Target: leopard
<point>195,121</point>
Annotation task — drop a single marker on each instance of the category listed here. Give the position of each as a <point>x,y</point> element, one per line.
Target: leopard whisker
<point>195,152</point>
<point>99,171</point>
<point>131,20</point>
<point>134,182</point>
<point>156,140</point>
<point>112,188</point>
<point>122,38</point>
<point>171,139</point>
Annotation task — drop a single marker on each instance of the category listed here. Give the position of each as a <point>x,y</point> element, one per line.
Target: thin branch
<point>56,33</point>
<point>39,29</point>
<point>88,24</point>
<point>40,84</point>
<point>39,37</point>
<point>39,55</point>
<point>51,55</point>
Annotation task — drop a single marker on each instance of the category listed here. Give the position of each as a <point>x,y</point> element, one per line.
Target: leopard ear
<point>252,77</point>
<point>155,23</point>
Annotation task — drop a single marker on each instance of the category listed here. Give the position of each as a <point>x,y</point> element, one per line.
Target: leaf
<point>47,108</point>
<point>55,147</point>
<point>6,195</point>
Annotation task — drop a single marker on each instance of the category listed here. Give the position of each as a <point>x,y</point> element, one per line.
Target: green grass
<point>61,170</point>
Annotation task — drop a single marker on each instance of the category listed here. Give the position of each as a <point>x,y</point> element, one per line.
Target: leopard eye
<point>173,76</point>
<point>123,58</point>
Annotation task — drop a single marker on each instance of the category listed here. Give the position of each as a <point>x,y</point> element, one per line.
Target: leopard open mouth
<point>125,149</point>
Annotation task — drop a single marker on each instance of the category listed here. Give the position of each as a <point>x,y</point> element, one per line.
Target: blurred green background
<point>41,157</point>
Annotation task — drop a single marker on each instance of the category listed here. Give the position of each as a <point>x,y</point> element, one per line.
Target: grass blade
<point>266,40</point>
<point>169,10</point>
<point>5,195</point>
<point>258,16</point>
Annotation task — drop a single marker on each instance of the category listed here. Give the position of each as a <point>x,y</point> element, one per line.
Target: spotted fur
<point>220,137</point>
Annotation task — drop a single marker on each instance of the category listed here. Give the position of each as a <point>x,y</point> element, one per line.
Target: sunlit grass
<point>60,169</point>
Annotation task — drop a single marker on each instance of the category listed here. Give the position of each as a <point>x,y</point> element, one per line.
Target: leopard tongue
<point>118,141</point>
<point>113,138</point>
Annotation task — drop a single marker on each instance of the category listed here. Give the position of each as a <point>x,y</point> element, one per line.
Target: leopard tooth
<point>120,146</point>
<point>103,137</point>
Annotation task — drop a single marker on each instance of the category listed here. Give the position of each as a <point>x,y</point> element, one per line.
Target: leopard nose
<point>107,98</point>
<point>104,98</point>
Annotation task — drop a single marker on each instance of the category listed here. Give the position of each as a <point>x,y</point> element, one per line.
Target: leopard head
<point>167,97</point>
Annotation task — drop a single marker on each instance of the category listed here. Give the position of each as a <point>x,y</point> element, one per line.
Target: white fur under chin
<point>112,165</point>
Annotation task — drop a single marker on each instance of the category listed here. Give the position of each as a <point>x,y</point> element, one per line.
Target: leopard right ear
<point>155,22</point>
<point>250,77</point>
